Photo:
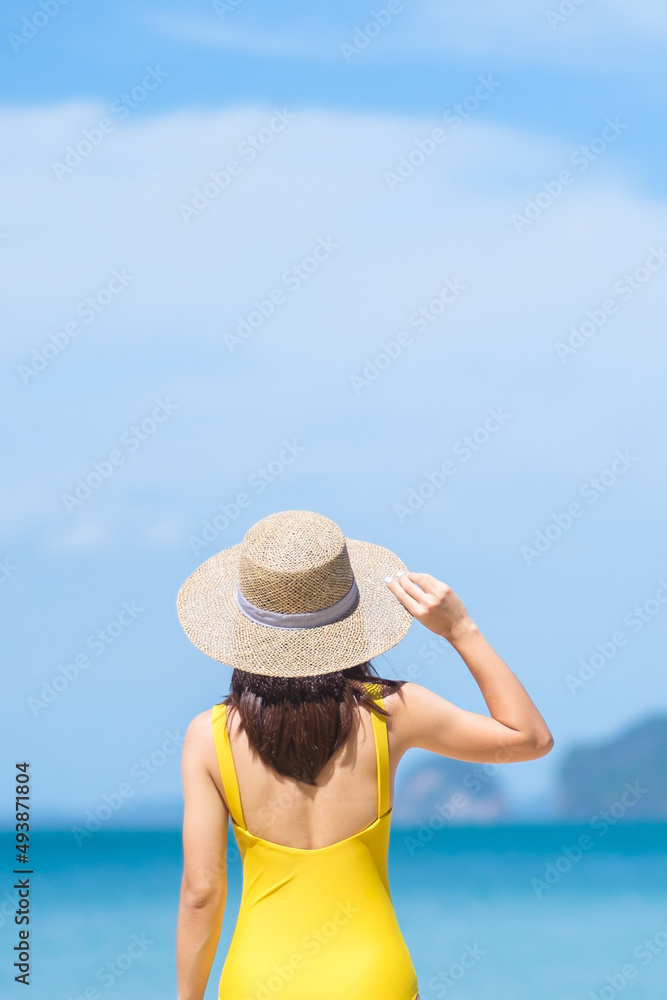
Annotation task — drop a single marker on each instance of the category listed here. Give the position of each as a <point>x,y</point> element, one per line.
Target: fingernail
<point>388,579</point>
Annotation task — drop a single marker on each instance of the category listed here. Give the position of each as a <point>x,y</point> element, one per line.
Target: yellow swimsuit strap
<point>226,762</point>
<point>381,749</point>
<point>228,770</point>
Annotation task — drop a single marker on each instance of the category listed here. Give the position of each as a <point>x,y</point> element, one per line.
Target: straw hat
<point>295,598</point>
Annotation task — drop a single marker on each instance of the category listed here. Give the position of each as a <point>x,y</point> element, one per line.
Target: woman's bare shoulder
<point>199,731</point>
<point>201,721</point>
<point>405,697</point>
<point>411,709</point>
<point>401,700</point>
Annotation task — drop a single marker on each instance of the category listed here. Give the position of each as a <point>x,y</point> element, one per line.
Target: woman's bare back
<point>294,814</point>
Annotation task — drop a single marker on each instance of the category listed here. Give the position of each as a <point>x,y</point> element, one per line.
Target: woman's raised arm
<point>515,731</point>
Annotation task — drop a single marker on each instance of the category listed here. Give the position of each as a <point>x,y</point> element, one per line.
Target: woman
<point>302,756</point>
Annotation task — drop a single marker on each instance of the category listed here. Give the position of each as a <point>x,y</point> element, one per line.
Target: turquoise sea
<point>489,913</point>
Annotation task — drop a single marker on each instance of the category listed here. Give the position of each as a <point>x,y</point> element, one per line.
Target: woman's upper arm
<point>424,719</point>
<point>205,816</point>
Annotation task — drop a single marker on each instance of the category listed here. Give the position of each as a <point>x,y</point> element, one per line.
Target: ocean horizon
<point>503,912</point>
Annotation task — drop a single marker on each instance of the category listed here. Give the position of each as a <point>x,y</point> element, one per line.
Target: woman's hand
<point>433,603</point>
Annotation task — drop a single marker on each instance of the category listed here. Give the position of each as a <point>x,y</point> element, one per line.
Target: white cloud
<point>166,533</point>
<point>200,29</point>
<point>322,176</point>
<point>77,538</point>
<point>531,32</point>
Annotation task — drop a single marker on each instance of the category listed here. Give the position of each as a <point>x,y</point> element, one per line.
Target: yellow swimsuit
<point>315,924</point>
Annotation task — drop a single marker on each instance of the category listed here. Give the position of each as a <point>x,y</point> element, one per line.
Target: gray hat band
<point>304,619</point>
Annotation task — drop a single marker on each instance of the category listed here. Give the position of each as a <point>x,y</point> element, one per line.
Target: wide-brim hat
<point>294,598</point>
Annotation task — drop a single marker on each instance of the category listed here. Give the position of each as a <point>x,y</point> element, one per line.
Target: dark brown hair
<point>296,724</point>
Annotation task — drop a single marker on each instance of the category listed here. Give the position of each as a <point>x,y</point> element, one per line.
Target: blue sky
<point>135,276</point>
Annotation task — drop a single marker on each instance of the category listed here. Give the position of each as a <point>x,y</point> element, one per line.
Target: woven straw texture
<point>293,562</point>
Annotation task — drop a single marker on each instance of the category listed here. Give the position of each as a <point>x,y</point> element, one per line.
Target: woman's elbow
<point>203,895</point>
<point>527,748</point>
<point>540,746</point>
